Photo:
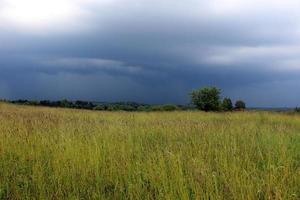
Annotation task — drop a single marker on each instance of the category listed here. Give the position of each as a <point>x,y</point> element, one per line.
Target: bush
<point>240,105</point>
<point>144,108</point>
<point>126,108</point>
<point>100,107</point>
<point>32,103</point>
<point>169,107</point>
<point>65,104</point>
<point>227,104</point>
<point>112,108</point>
<point>156,108</point>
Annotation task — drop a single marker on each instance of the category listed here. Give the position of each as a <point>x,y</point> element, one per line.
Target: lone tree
<point>240,105</point>
<point>227,104</point>
<point>207,99</point>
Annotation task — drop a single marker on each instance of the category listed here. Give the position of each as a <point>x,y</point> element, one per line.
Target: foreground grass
<point>69,154</point>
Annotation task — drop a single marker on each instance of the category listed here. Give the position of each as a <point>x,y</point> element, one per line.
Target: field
<point>48,153</point>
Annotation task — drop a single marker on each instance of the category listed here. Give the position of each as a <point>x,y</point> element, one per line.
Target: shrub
<point>100,107</point>
<point>112,108</point>
<point>227,104</point>
<point>169,107</point>
<point>144,108</point>
<point>126,107</point>
<point>156,108</point>
<point>32,103</point>
<point>240,105</point>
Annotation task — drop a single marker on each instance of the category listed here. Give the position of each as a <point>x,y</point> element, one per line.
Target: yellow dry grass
<point>48,153</point>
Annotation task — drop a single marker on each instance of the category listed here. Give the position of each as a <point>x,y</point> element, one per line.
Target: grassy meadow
<point>49,153</point>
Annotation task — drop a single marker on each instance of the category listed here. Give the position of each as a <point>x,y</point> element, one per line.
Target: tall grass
<point>70,154</point>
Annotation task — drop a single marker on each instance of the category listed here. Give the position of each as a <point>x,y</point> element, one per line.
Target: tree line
<point>209,99</point>
<point>103,106</point>
<point>205,99</point>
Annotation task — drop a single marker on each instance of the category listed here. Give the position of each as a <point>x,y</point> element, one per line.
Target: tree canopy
<point>207,98</point>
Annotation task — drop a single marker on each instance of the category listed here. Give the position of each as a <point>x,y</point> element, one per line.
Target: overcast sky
<point>150,51</point>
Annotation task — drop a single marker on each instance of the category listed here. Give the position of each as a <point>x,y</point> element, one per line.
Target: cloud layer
<point>152,51</point>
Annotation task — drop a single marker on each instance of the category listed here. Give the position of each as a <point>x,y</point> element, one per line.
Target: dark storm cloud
<point>156,52</point>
